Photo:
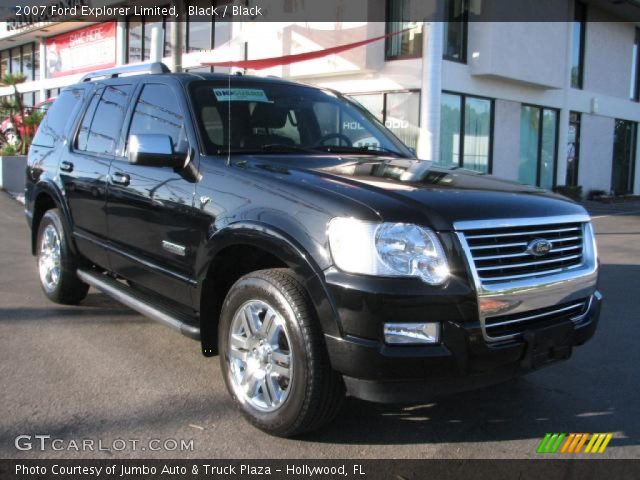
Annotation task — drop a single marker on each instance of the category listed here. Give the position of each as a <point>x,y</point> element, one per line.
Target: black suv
<point>285,228</point>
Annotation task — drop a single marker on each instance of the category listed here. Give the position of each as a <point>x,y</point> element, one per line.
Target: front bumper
<point>378,372</point>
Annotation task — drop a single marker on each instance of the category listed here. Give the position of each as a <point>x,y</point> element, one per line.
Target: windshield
<point>270,117</point>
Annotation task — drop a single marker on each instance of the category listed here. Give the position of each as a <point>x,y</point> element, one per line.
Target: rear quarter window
<point>59,117</point>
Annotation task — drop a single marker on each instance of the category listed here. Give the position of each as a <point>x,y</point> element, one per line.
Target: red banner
<point>263,63</point>
<point>83,50</point>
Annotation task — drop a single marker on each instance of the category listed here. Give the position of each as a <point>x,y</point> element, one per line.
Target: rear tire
<point>273,356</point>
<point>56,265</point>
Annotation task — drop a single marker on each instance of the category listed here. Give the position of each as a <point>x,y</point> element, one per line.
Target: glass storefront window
<point>200,34</point>
<point>407,44</point>
<point>27,61</point>
<point>538,146</point>
<point>4,63</point>
<point>548,148</point>
<point>24,59</point>
<point>14,61</point>
<point>148,28</point>
<point>402,116</point>
<point>450,123</point>
<point>374,102</point>
<point>577,42</point>
<point>529,140</point>
<point>465,132</point>
<point>455,30</point>
<point>573,149</point>
<point>398,111</point>
<point>624,157</point>
<point>168,32</point>
<point>36,62</point>
<point>134,39</point>
<point>477,134</point>
<point>27,99</point>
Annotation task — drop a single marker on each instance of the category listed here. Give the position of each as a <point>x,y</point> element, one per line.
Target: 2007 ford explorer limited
<point>291,233</point>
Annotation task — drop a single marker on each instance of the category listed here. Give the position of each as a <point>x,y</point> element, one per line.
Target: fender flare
<point>288,250</point>
<point>49,188</point>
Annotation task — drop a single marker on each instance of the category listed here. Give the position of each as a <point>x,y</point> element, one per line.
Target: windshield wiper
<point>269,148</point>
<point>362,150</point>
<point>283,147</point>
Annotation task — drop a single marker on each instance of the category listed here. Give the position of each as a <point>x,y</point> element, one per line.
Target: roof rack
<point>125,70</point>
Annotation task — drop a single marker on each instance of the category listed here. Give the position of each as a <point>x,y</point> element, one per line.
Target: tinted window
<point>455,30</point>
<point>272,116</point>
<point>407,44</point>
<point>158,111</point>
<point>577,42</point>
<point>83,131</point>
<point>59,117</point>
<point>107,121</point>
<point>465,132</point>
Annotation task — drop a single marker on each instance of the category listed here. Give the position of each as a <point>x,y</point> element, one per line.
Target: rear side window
<point>158,111</point>
<point>59,117</point>
<point>100,129</point>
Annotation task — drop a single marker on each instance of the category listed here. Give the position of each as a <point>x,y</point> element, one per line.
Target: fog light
<point>411,333</point>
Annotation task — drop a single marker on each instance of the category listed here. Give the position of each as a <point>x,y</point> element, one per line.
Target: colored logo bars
<point>574,443</point>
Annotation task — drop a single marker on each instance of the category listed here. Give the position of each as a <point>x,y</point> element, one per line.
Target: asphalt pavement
<point>101,373</point>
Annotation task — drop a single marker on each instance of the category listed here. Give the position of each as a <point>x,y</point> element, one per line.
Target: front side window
<point>538,146</point>
<point>158,112</point>
<point>267,117</point>
<point>409,43</point>
<point>455,30</point>
<point>466,132</point>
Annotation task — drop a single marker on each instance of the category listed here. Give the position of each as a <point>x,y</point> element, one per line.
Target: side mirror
<point>154,150</point>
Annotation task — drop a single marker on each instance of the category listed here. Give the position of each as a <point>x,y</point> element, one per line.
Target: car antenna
<point>229,120</point>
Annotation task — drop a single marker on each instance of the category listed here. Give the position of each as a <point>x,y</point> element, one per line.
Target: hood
<point>407,190</point>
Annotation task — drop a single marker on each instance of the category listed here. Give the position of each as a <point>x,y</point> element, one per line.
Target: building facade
<point>546,104</point>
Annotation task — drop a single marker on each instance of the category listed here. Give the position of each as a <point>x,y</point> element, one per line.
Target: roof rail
<point>125,70</point>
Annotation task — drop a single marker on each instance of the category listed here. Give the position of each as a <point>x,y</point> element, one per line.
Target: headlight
<point>388,250</point>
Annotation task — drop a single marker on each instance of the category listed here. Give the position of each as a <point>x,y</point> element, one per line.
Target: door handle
<point>120,179</point>
<point>66,166</point>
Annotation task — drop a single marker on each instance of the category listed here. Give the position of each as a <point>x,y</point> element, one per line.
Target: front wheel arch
<point>279,252</point>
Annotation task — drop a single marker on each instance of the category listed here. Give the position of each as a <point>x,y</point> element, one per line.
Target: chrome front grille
<point>501,254</point>
<point>515,324</point>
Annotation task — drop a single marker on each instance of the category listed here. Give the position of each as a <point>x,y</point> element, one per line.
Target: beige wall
<point>596,153</point>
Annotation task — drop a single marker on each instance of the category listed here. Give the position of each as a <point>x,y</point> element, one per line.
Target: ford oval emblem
<point>539,247</point>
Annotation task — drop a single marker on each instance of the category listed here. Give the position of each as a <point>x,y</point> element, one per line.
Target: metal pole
<point>430,92</point>
<point>156,47</point>
<point>176,37</point>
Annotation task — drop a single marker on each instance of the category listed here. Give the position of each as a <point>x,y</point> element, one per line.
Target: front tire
<point>56,265</point>
<point>273,356</point>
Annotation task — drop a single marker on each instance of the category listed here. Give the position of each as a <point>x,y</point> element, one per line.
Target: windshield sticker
<point>240,95</point>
